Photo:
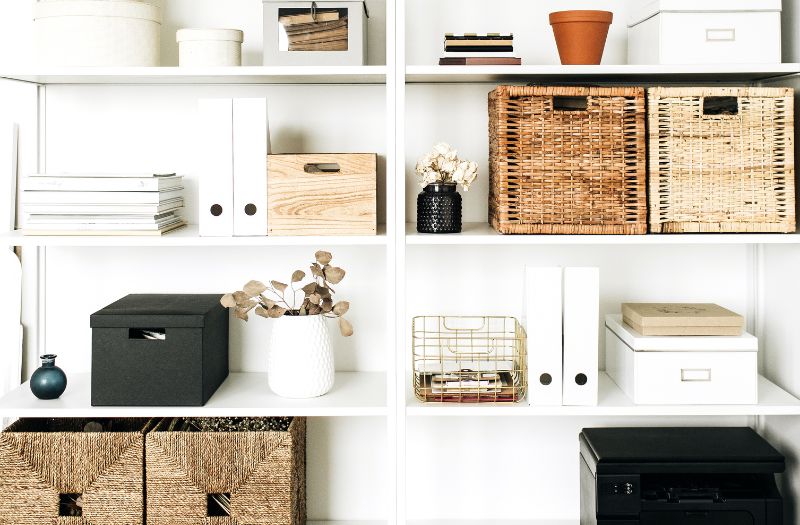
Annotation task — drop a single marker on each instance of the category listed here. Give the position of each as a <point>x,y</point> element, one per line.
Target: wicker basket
<point>721,160</point>
<point>262,474</point>
<point>46,464</point>
<point>567,160</point>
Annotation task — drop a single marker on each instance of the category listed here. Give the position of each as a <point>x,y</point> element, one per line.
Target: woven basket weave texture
<point>567,170</point>
<point>721,171</point>
<point>264,473</point>
<point>40,459</point>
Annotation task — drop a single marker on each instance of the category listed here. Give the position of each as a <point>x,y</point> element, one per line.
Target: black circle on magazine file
<point>581,379</point>
<point>545,379</point>
<point>216,210</point>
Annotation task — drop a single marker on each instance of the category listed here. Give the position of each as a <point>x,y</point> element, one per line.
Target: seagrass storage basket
<point>53,471</point>
<point>721,160</point>
<point>202,471</point>
<point>469,359</point>
<point>567,160</point>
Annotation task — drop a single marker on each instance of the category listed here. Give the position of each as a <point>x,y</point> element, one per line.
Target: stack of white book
<point>102,204</point>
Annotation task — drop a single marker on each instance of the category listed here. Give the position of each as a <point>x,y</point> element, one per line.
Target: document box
<point>159,350</point>
<point>322,194</point>
<point>682,370</point>
<point>691,32</point>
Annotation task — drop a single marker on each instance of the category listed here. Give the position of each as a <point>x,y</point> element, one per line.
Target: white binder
<point>215,167</point>
<point>581,332</point>
<point>250,140</point>
<point>543,325</point>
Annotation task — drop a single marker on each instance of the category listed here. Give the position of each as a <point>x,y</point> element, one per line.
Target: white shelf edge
<point>242,394</point>
<point>606,72</point>
<point>482,234</point>
<point>492,522</point>
<point>202,75</point>
<point>189,236</point>
<point>773,401</point>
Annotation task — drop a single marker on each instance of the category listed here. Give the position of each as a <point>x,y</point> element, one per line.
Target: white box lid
<point>643,10</point>
<point>326,3</point>
<point>680,343</point>
<point>102,8</point>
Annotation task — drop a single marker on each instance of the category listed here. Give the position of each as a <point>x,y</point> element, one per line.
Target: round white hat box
<point>101,33</point>
<point>210,47</point>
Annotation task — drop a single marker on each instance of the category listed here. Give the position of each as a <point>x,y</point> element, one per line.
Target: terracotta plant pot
<point>580,35</point>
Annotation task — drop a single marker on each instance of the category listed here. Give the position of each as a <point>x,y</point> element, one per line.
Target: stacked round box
<point>568,160</point>
<point>721,159</point>
<point>45,462</point>
<point>263,474</point>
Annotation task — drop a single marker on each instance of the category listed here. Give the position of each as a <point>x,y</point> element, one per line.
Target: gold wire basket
<point>469,359</point>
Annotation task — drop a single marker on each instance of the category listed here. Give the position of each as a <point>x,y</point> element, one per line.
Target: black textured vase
<point>439,209</point>
<point>48,381</point>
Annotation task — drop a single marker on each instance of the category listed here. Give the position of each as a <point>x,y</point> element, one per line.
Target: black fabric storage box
<point>183,369</point>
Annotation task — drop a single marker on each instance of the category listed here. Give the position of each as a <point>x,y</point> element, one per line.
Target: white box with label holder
<point>682,370</point>
<point>709,32</point>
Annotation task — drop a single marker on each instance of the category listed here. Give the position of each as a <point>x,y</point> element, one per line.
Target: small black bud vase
<point>439,209</point>
<point>48,381</point>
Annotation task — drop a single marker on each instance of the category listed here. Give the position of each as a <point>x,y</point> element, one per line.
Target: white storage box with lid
<point>102,33</point>
<point>318,33</point>
<point>682,370</point>
<point>209,47</point>
<point>707,32</point>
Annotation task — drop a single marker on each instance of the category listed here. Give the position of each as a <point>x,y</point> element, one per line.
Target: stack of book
<point>324,31</point>
<point>470,49</point>
<point>108,204</point>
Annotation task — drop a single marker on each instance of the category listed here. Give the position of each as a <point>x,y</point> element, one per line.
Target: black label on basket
<point>570,103</point>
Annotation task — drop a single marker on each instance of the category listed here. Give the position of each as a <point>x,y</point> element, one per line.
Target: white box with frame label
<point>315,33</point>
<point>714,32</point>
<point>682,370</point>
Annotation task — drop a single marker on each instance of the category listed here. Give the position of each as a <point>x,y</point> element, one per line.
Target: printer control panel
<point>618,494</point>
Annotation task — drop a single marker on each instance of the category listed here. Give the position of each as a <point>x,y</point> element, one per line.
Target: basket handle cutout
<point>322,167</point>
<point>70,505</point>
<point>463,323</point>
<point>149,334</point>
<point>720,106</point>
<point>570,103</point>
<point>218,504</point>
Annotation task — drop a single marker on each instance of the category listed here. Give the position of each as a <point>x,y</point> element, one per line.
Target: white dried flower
<point>443,165</point>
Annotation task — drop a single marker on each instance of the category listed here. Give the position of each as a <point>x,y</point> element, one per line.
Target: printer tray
<point>687,517</point>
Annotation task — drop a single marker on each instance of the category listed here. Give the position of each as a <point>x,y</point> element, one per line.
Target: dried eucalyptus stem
<point>278,299</point>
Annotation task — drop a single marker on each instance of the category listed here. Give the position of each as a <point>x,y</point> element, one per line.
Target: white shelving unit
<point>376,454</point>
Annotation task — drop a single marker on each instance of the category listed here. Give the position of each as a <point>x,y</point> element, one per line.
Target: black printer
<point>676,476</point>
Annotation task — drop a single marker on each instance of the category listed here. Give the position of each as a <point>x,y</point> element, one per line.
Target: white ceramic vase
<point>300,362</point>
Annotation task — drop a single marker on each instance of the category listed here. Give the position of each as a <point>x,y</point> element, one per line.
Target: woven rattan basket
<point>567,160</point>
<point>721,160</point>
<point>45,463</point>
<point>262,474</point>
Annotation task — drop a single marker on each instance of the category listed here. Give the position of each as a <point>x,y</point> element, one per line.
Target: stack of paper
<point>101,204</point>
<point>322,31</point>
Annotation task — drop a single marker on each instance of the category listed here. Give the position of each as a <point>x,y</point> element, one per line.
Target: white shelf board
<point>348,522</point>
<point>773,401</point>
<point>602,73</point>
<point>202,75</point>
<point>242,394</point>
<point>492,522</point>
<point>478,233</point>
<point>189,236</point>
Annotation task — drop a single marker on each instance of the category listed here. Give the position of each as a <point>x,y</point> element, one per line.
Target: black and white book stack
<point>471,49</point>
<point>102,204</point>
